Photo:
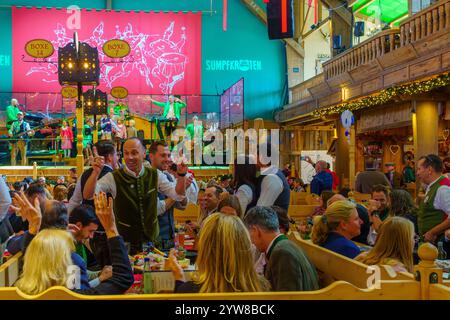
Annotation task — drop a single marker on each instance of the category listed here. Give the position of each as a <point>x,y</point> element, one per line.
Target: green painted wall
<point>245,39</point>
<point>5,50</point>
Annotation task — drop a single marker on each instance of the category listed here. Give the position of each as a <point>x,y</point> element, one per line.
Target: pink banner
<point>165,53</point>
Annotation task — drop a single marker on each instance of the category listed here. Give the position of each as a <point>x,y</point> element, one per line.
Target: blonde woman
<point>336,227</point>
<point>394,245</point>
<point>224,262</point>
<point>48,262</point>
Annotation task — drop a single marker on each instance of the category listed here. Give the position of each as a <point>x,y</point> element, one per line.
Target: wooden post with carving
<point>427,272</point>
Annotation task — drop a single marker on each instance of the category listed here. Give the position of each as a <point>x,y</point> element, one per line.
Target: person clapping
<point>48,257</point>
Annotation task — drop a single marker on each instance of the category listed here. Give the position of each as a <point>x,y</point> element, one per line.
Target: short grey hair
<point>263,217</point>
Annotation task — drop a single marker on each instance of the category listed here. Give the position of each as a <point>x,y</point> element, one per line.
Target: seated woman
<point>394,245</point>
<point>230,205</point>
<point>224,262</point>
<point>324,197</point>
<point>48,255</point>
<point>336,227</point>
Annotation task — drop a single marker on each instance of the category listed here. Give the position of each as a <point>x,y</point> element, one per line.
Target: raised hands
<point>97,162</point>
<point>105,213</point>
<point>31,212</point>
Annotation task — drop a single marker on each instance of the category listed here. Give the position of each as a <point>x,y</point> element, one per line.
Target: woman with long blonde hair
<point>48,261</point>
<point>38,273</point>
<point>394,245</point>
<point>224,262</point>
<point>336,227</point>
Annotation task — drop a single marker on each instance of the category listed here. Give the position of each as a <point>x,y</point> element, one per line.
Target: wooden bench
<point>313,199</point>
<point>361,197</point>
<point>298,198</point>
<point>300,212</point>
<point>9,271</point>
<point>335,267</point>
<point>402,287</point>
<point>192,212</point>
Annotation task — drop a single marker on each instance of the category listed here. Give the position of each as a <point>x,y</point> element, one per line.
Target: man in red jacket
<point>335,177</point>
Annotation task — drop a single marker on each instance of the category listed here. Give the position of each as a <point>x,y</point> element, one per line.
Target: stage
<point>18,173</point>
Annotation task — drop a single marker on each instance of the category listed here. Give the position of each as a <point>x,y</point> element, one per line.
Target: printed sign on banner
<point>164,58</point>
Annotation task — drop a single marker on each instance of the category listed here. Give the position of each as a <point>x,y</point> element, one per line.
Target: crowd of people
<point>96,220</point>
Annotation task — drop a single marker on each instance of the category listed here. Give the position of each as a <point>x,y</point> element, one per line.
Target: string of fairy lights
<point>387,95</point>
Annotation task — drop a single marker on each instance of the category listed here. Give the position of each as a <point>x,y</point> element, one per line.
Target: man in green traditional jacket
<point>134,189</point>
<point>171,114</point>
<point>287,266</point>
<point>11,113</point>
<point>434,211</point>
<point>172,108</point>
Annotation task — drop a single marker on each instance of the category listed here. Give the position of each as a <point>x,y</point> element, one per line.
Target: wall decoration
<point>165,49</point>
<point>394,149</point>
<point>347,120</point>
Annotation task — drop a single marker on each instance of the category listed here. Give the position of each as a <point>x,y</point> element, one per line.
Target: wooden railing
<point>301,92</point>
<point>425,23</point>
<point>350,282</point>
<point>364,53</point>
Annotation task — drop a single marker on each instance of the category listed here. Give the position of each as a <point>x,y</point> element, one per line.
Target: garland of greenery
<point>386,95</point>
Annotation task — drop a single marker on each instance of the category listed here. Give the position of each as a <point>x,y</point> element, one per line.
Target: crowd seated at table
<point>241,242</point>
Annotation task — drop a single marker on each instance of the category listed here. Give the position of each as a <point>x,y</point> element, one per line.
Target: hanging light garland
<point>386,95</point>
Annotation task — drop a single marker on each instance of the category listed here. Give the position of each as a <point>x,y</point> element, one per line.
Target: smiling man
<point>134,189</point>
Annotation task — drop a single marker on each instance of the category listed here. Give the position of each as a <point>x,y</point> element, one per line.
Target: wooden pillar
<point>80,124</point>
<point>352,157</point>
<point>301,144</point>
<point>425,126</point>
<point>342,154</point>
<point>426,271</point>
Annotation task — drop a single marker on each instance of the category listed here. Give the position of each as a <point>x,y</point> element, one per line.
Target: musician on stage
<point>194,132</point>
<point>11,113</point>
<point>171,114</point>
<point>19,130</point>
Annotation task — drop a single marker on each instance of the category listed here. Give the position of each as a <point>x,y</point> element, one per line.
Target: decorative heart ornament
<point>446,133</point>
<point>395,148</point>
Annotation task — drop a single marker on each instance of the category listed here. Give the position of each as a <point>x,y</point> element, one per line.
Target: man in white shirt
<point>137,187</point>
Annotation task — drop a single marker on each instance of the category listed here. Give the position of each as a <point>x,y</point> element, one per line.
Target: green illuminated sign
<point>233,65</point>
<point>5,60</point>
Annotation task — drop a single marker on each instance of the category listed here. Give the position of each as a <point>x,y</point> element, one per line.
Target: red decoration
<point>224,15</point>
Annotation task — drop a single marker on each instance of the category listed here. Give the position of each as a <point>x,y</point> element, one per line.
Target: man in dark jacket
<point>98,243</point>
<point>287,268</point>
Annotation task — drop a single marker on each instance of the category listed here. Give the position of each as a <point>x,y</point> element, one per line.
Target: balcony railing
<point>421,25</point>
<point>364,53</point>
<point>425,23</point>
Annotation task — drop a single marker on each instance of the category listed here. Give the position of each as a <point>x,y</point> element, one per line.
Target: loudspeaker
<point>337,42</point>
<point>274,19</point>
<point>359,28</point>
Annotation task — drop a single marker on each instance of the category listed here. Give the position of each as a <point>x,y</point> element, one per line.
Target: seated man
<point>288,268</point>
<point>84,223</point>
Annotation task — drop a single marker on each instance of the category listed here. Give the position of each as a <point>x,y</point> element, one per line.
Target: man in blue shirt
<point>322,180</point>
